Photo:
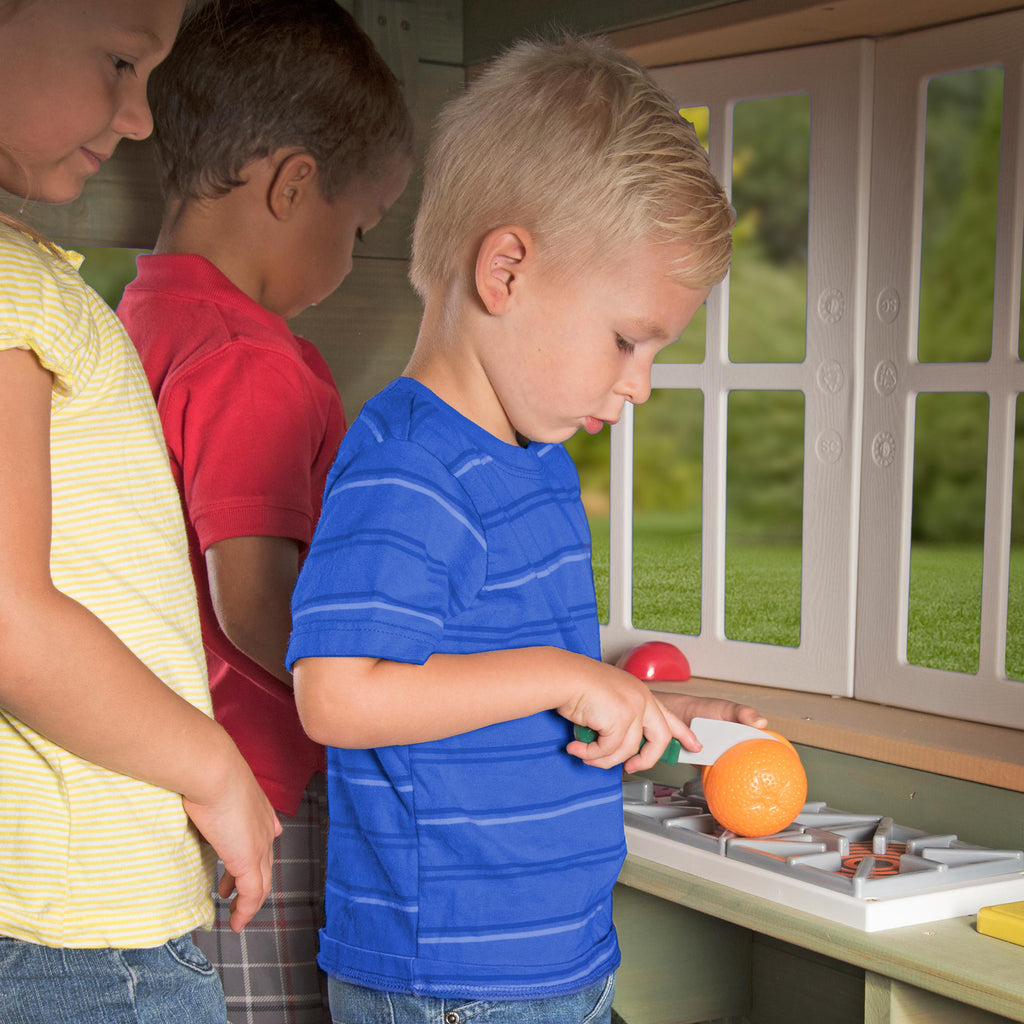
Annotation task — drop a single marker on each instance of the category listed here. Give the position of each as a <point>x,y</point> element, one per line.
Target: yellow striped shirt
<point>88,857</point>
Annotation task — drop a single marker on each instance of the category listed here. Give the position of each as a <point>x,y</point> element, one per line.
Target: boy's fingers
<point>726,710</point>
<point>681,731</point>
<point>609,749</point>
<point>646,757</point>
<point>746,715</point>
<point>657,740</point>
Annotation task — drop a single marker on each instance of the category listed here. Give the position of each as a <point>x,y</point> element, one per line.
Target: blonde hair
<point>575,142</point>
<point>26,229</point>
<point>19,225</point>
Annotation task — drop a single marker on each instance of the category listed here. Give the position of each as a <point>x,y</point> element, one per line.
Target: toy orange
<point>768,732</point>
<point>756,788</point>
<point>780,738</point>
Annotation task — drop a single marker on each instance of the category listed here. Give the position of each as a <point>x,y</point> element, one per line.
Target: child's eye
<point>122,66</point>
<point>624,345</point>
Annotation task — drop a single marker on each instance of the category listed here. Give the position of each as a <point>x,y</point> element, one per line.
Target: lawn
<point>945,608</point>
<point>763,593</point>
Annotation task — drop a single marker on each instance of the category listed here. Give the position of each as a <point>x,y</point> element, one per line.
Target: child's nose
<point>637,387</point>
<point>642,392</point>
<point>133,118</point>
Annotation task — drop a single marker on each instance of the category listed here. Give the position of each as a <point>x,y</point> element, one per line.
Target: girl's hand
<point>239,823</point>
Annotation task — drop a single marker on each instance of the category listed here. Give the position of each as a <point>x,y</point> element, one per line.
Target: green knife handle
<point>670,755</point>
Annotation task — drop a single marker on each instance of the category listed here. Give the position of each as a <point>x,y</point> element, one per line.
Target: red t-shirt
<point>253,421</point>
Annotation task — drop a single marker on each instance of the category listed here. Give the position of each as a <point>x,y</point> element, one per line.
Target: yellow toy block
<point>1005,921</point>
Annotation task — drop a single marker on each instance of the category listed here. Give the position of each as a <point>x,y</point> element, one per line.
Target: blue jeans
<point>352,1004</point>
<point>170,984</point>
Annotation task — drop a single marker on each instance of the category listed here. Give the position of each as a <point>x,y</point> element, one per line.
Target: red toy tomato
<point>655,659</point>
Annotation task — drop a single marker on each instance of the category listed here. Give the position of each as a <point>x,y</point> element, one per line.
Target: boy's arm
<point>67,676</point>
<point>368,702</point>
<point>246,483</point>
<point>251,583</point>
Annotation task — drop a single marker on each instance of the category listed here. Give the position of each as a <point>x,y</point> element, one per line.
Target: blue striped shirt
<point>482,864</point>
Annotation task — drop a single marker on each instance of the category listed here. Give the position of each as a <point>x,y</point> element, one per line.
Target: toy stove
<point>861,870</point>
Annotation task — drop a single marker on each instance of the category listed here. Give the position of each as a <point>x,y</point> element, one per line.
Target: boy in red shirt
<point>282,139</point>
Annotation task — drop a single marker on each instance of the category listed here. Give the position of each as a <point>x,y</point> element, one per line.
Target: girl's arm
<point>68,677</point>
<point>367,702</point>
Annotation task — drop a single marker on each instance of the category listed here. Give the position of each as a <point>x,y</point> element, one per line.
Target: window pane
<point>947,531</point>
<point>768,281</point>
<point>958,221</point>
<point>700,118</point>
<point>764,516</point>
<point>1015,615</point>
<point>690,346</point>
<point>592,453</point>
<point>667,461</point>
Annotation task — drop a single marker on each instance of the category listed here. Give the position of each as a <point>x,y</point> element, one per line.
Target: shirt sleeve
<point>246,436</point>
<point>46,309</point>
<point>398,553</point>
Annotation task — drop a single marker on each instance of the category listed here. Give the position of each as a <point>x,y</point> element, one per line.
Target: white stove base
<point>869,915</point>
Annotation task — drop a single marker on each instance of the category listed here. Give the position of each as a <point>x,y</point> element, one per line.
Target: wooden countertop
<point>950,958</point>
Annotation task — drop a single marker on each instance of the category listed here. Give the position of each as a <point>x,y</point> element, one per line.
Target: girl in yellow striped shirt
<point>111,766</point>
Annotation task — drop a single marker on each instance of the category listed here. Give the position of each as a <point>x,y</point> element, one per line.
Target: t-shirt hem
<point>107,938</point>
<point>217,524</point>
<point>334,954</point>
<point>357,640</point>
<point>10,340</point>
<point>284,798</point>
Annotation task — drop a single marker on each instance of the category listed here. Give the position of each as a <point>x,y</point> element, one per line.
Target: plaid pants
<point>269,971</point>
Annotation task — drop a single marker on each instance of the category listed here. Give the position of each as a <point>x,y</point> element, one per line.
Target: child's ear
<point>294,177</point>
<point>503,256</point>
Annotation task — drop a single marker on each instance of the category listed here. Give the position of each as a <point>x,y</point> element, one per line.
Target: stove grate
<point>861,857</point>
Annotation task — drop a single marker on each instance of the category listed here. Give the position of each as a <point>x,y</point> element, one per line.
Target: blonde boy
<point>445,635</point>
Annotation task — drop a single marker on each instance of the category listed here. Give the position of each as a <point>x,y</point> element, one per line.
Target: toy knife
<point>715,736</point>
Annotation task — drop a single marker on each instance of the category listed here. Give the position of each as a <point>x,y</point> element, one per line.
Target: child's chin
<point>553,435</point>
<point>59,193</point>
<point>566,436</point>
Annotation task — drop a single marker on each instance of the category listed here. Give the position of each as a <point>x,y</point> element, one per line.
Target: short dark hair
<point>248,77</point>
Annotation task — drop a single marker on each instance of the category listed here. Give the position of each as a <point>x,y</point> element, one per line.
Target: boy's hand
<point>240,825</point>
<point>687,706</point>
<point>622,710</point>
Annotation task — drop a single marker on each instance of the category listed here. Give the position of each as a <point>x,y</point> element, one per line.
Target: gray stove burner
<point>863,856</point>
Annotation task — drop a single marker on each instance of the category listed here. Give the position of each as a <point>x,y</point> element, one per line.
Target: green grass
<point>945,608</point>
<point>763,593</point>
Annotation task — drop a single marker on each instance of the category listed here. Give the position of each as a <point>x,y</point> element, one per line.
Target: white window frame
<point>834,78</point>
<point>904,66</point>
<point>866,172</point>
